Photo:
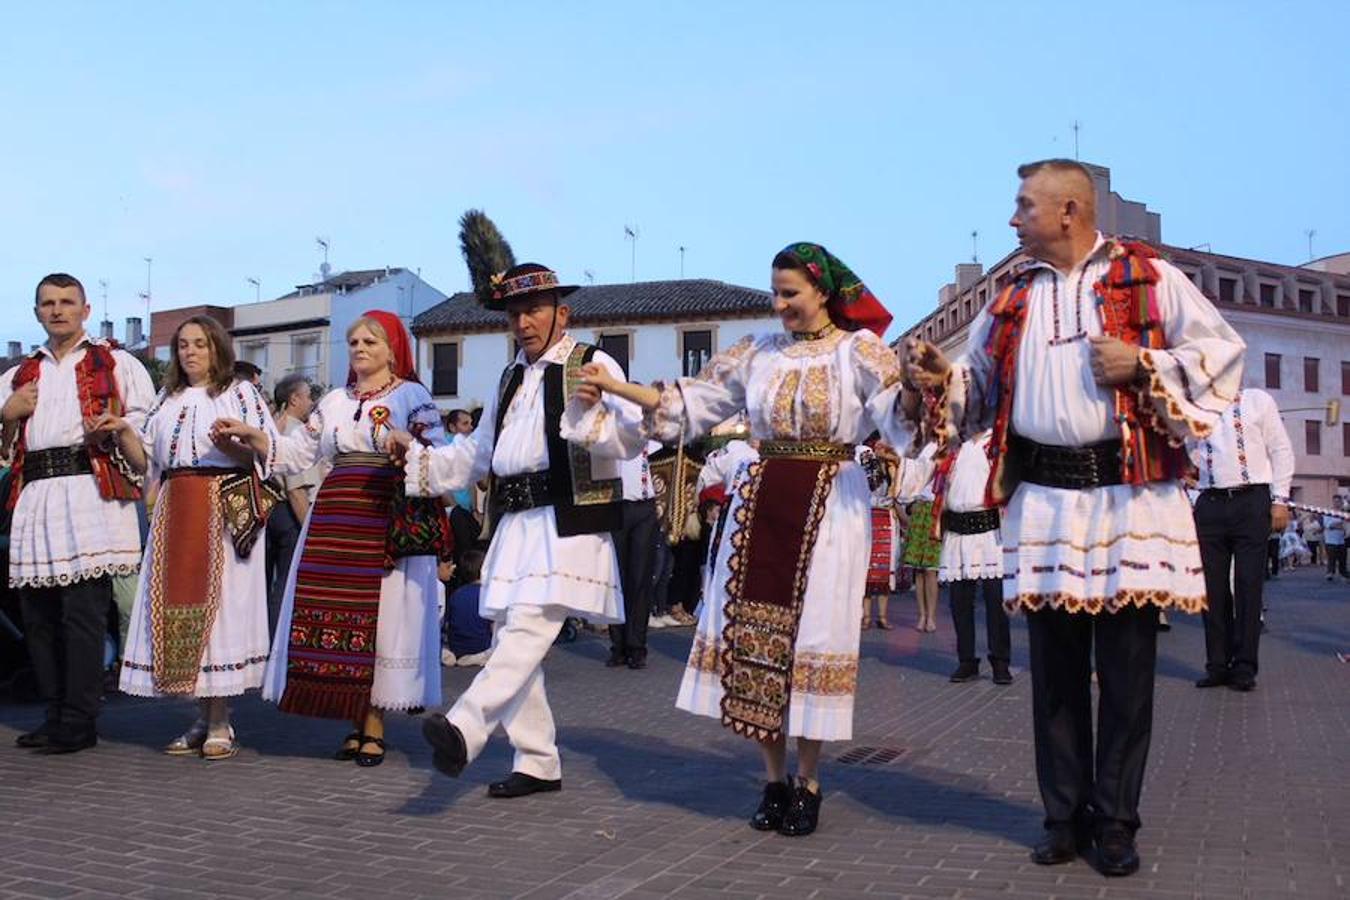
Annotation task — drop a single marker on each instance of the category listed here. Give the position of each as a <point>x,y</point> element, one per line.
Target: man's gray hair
<point>286,388</point>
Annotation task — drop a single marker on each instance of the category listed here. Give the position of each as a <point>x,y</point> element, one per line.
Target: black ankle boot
<point>802,813</point>
<point>769,816</point>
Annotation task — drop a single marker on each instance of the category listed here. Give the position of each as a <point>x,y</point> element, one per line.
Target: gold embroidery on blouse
<point>782,415</point>
<point>878,359</point>
<point>718,369</point>
<point>817,403</point>
<point>794,349</point>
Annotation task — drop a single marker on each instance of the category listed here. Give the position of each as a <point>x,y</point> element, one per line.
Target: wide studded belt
<point>977,521</point>
<point>56,462</point>
<point>517,493</point>
<point>815,450</point>
<point>1074,468</point>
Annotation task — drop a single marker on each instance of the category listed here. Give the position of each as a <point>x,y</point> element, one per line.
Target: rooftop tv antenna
<point>630,233</point>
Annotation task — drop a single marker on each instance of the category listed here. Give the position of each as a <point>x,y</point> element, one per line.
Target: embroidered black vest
<point>582,504</point>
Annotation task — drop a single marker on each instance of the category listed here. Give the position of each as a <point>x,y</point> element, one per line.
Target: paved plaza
<point>1248,795</point>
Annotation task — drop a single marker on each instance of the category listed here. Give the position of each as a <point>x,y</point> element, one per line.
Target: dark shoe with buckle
<point>1001,673</point>
<point>364,758</point>
<point>1213,679</point>
<point>772,807</point>
<point>617,659</point>
<point>69,741</point>
<point>1116,853</point>
<point>803,812</point>
<point>37,738</point>
<point>1243,681</point>
<point>637,659</point>
<point>966,671</point>
<point>451,754</point>
<point>1061,844</point>
<point>518,784</point>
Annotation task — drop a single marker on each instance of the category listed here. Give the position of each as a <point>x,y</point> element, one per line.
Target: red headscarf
<point>400,346</point>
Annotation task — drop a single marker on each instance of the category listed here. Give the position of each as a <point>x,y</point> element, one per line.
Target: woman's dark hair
<point>470,566</point>
<point>220,375</point>
<point>790,262</point>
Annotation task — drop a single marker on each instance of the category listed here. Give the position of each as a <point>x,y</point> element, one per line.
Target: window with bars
<point>1273,370</point>
<point>445,369</point>
<point>1312,437</point>
<point>696,350</point>
<point>617,346</point>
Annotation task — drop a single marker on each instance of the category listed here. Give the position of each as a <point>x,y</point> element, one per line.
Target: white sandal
<point>189,743</point>
<point>214,748</point>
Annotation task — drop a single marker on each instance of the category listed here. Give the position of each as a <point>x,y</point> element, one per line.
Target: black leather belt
<point>977,521</point>
<point>517,493</point>
<point>56,462</point>
<point>1229,493</point>
<point>1074,468</point>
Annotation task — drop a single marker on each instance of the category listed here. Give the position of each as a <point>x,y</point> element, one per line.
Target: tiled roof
<point>344,281</point>
<point>693,298</point>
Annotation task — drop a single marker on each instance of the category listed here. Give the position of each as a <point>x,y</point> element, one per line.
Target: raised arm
<point>607,421</point>
<point>439,468</point>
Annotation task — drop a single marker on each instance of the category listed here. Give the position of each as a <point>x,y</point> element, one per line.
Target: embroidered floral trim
<point>1157,390</point>
<point>68,578</point>
<point>1109,542</point>
<point>666,421</point>
<point>794,349</point>
<point>719,368</point>
<point>821,674</point>
<point>582,579</point>
<point>205,670</point>
<point>1121,599</point>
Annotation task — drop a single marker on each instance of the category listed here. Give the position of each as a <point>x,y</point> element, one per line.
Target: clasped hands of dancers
<point>775,653</point>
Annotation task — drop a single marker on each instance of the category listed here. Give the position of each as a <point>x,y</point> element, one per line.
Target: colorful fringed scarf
<point>782,503</point>
<point>1128,305</point>
<point>95,376</point>
<point>331,663</point>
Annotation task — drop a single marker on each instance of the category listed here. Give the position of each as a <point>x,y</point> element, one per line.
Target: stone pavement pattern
<point>1246,795</point>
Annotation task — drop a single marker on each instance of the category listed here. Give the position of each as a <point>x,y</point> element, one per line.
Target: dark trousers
<point>635,543</point>
<point>1272,551</point>
<point>1336,560</point>
<point>1232,529</point>
<point>1080,787</point>
<point>64,628</point>
<point>962,595</point>
<point>283,532</point>
<point>686,585</point>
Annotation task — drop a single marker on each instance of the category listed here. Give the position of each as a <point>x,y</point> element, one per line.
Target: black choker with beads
<point>817,335</point>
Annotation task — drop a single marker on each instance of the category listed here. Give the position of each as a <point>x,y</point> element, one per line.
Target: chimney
<point>105,329</point>
<point>967,274</point>
<point>15,349</point>
<point>133,338</point>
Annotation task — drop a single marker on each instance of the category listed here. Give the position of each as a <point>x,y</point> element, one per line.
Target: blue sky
<point>220,139</point>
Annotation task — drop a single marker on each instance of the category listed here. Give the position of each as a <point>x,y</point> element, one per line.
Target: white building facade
<point>655,330</point>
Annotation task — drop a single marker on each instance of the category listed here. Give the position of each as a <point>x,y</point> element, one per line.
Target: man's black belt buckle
<point>56,462</point>
<point>1228,493</point>
<point>1071,468</point>
<point>517,493</point>
<point>976,521</point>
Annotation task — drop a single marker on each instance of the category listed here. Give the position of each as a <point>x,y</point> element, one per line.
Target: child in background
<point>466,636</point>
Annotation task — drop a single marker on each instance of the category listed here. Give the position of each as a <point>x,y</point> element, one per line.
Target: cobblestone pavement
<point>1246,795</point>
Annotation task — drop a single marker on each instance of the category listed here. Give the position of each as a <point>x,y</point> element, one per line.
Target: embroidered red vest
<point>97,384</point>
<point>1128,304</point>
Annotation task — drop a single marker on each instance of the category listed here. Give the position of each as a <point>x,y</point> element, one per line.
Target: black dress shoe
<point>637,659</point>
<point>1116,853</point>
<point>61,742</point>
<point>518,784</point>
<point>37,738</point>
<point>772,807</point>
<point>1001,673</point>
<point>617,659</point>
<point>966,671</point>
<point>803,812</point>
<point>1242,681</point>
<point>1213,680</point>
<point>1061,844</point>
<point>451,754</point>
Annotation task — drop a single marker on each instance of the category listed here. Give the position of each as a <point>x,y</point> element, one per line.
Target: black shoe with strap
<point>347,753</point>
<point>772,807</point>
<point>366,759</point>
<point>518,784</point>
<point>803,812</point>
<point>1116,853</point>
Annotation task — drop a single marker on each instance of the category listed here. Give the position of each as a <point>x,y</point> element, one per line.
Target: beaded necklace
<point>818,335</point>
<point>1079,331</point>
<point>362,396</point>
